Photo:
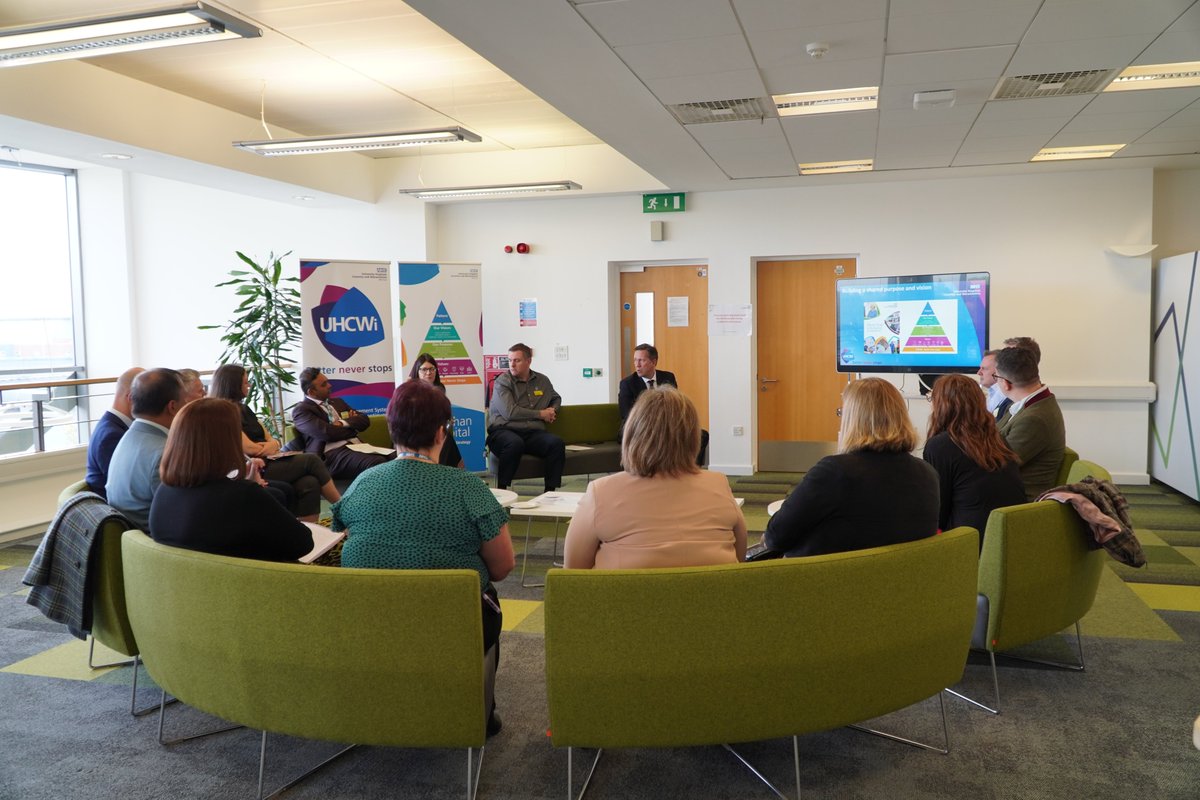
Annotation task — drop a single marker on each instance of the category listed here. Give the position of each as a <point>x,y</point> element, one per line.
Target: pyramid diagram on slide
<point>443,343</point>
<point>928,335</point>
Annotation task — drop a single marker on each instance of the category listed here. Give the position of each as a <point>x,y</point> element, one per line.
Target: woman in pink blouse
<point>663,510</point>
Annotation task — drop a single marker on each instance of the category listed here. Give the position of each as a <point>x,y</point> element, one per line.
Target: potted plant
<point>263,333</point>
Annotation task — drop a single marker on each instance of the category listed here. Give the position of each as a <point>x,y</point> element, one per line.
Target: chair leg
<point>133,709</point>
<point>995,689</point>
<point>945,732</point>
<point>762,777</point>
<point>262,763</point>
<point>1080,667</point>
<point>473,773</point>
<point>92,651</point>
<point>571,775</point>
<point>162,710</point>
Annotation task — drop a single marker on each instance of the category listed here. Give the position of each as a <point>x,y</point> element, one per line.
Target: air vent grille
<point>723,110</point>
<point>1053,84</point>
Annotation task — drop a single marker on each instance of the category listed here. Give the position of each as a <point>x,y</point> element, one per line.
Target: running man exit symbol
<point>662,203</point>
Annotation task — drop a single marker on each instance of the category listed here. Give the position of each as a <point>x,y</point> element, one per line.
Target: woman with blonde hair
<point>663,510</point>
<point>874,492</point>
<point>977,471</point>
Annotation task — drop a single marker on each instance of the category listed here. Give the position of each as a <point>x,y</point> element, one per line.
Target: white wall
<point>1042,237</point>
<point>1176,200</point>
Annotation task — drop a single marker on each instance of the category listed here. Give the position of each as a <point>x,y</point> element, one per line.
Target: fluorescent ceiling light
<point>1156,76</point>
<point>829,167</point>
<point>863,98</point>
<point>487,191</point>
<point>84,38</point>
<point>1069,153</point>
<point>365,141</point>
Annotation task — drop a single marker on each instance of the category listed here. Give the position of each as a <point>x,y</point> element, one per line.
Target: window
<point>40,307</point>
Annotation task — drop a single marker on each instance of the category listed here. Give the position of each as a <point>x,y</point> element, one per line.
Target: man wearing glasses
<point>1033,426</point>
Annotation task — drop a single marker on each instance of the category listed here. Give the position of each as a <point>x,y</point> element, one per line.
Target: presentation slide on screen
<point>918,324</point>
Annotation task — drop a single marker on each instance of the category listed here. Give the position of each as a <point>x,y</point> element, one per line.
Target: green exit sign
<point>662,203</point>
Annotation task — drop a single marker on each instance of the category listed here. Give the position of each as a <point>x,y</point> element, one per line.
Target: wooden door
<point>798,386</point>
<point>682,348</point>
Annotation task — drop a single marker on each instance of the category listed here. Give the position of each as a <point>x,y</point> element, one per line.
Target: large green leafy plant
<point>263,334</point>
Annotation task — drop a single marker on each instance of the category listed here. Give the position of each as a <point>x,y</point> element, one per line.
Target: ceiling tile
<point>974,63</point>
<point>649,21</point>
<point>698,88</point>
<point>967,93</point>
<point>733,131</point>
<point>847,42</point>
<point>754,158</point>
<point>766,15</point>
<point>820,75</point>
<point>917,26</point>
<point>692,57</point>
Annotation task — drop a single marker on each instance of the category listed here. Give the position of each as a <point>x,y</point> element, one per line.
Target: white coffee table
<point>550,505</point>
<point>773,507</point>
<point>505,497</point>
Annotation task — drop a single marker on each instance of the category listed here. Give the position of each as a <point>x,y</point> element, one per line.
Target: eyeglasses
<point>1000,377</point>
<point>427,369</point>
<point>449,424</point>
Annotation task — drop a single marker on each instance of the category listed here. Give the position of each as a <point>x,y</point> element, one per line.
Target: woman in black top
<point>425,368</point>
<point>872,493</point>
<point>305,472</point>
<point>203,503</point>
<point>976,470</point>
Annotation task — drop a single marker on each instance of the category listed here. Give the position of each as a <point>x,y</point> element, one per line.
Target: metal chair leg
<point>525,557</point>
<point>133,709</point>
<point>758,774</point>
<point>92,651</point>
<point>473,783</point>
<point>571,776</point>
<point>1080,667</point>
<point>945,731</point>
<point>162,710</point>
<point>262,762</point>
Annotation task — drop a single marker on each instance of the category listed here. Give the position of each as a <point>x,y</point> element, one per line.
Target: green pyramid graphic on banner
<point>928,334</point>
<point>443,343</point>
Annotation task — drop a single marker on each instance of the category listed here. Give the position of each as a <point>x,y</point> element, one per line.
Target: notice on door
<point>730,319</point>
<point>677,312</point>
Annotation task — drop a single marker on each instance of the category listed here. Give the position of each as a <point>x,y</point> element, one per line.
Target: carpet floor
<point>1121,729</point>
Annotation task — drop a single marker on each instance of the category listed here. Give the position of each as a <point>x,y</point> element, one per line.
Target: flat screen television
<point>913,323</point>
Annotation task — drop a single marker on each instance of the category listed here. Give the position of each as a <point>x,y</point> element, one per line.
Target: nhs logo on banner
<point>345,321</point>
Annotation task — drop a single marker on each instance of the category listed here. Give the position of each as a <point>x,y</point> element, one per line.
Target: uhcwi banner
<point>346,310</point>
<point>441,313</point>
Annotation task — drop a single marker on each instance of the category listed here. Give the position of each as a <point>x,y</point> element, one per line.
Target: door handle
<point>762,383</point>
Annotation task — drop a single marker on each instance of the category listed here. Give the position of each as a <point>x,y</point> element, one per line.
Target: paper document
<point>578,447</point>
<point>363,447</point>
<point>323,541</point>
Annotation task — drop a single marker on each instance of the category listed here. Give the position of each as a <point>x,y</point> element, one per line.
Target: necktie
<point>329,412</point>
<point>650,383</point>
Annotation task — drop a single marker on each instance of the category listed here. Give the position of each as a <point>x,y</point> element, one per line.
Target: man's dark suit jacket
<point>313,428</point>
<point>633,385</point>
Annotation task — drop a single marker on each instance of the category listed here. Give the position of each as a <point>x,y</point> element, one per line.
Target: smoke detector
<point>817,49</point>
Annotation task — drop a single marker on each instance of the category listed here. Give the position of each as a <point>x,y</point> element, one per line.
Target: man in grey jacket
<point>523,404</point>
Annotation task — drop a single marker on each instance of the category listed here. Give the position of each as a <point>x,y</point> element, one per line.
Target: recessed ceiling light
<point>1156,76</point>
<point>829,167</point>
<point>863,98</point>
<point>1069,153</point>
<point>117,156</point>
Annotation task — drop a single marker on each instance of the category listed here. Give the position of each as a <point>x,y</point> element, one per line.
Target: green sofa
<point>361,656</point>
<point>745,652</point>
<point>594,425</point>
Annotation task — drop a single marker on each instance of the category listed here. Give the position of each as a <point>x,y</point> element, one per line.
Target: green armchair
<point>1037,576</point>
<point>360,656</point>
<point>714,655</point>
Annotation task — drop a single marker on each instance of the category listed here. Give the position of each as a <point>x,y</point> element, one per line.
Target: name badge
<point>537,392</point>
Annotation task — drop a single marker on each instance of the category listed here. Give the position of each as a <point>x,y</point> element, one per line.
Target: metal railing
<point>50,414</point>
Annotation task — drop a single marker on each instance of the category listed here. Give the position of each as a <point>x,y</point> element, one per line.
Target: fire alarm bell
<point>508,248</point>
<point>522,248</point>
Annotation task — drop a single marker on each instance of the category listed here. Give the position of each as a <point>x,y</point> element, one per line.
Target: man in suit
<point>156,397</point>
<point>647,375</point>
<point>325,425</point>
<point>997,403</point>
<point>108,432</point>
<point>1033,426</point>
